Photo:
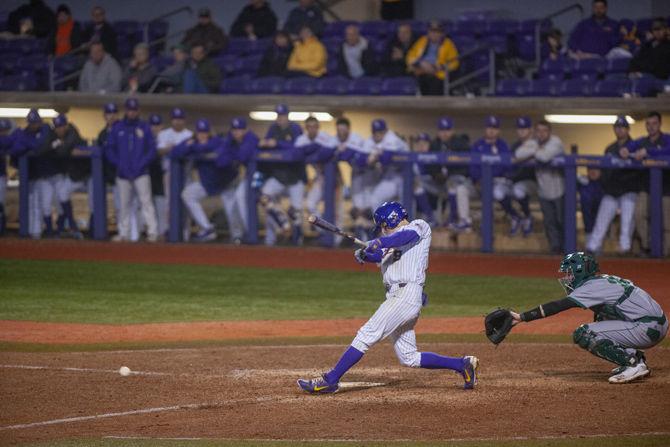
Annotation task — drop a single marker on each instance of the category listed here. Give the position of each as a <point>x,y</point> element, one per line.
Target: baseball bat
<point>325,225</point>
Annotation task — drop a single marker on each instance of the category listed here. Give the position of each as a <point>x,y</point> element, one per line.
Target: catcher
<point>626,318</point>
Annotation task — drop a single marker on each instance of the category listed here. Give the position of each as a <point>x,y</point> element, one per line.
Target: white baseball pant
<point>388,188</point>
<point>48,188</point>
<point>462,187</point>
<point>524,189</point>
<point>3,189</point>
<point>395,318</point>
<point>274,190</point>
<point>362,185</point>
<point>233,199</point>
<point>502,187</point>
<point>141,186</point>
<point>606,213</point>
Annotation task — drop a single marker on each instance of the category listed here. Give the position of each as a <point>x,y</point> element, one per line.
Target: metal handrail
<point>448,84</point>
<point>167,37</point>
<point>538,27</point>
<point>174,12</point>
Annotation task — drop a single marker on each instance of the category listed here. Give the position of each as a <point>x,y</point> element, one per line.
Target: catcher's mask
<point>578,268</point>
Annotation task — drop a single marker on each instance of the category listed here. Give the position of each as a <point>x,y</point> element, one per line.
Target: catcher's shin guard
<point>603,348</point>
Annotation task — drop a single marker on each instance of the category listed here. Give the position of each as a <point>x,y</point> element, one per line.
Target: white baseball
<point>124,371</point>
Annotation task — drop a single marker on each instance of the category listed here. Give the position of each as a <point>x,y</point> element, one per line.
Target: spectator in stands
<point>492,144</point>
<point>656,143</point>
<point>396,52</point>
<point>429,57</point>
<point>256,21</point>
<point>131,147</point>
<point>41,17</point>
<point>628,43</point>
<point>523,177</point>
<point>275,59</point>
<point>356,58</point>
<point>459,185</point>
<point>555,43</point>
<point>620,187</point>
<point>202,75</point>
<point>551,185</point>
<point>595,36</point>
<point>101,31</point>
<point>206,33</point>
<point>654,56</point>
<point>101,73</point>
<point>139,74</point>
<point>308,57</point>
<point>170,80</point>
<point>307,13</point>
<point>68,34</point>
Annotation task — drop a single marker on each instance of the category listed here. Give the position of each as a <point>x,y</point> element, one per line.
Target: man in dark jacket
<point>131,147</point>
<point>355,58</point>
<point>202,74</point>
<point>620,187</point>
<point>396,52</point>
<point>275,58</point>
<point>255,21</point>
<point>43,18</point>
<point>206,33</point>
<point>654,56</point>
<point>307,13</point>
<point>101,31</point>
<point>60,145</point>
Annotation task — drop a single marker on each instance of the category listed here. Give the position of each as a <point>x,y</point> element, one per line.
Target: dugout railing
<point>567,163</point>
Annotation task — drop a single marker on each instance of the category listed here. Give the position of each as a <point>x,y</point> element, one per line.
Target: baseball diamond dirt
<point>234,388</point>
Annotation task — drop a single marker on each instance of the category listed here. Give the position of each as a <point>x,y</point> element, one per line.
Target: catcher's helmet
<point>390,214</point>
<point>579,267</point>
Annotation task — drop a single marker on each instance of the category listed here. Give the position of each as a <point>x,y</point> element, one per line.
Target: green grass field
<point>99,292</point>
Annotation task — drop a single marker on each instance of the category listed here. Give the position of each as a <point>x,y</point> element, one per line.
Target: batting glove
<point>359,255</point>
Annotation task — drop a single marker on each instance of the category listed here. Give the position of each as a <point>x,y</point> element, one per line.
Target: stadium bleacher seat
<point>332,85</point>
<point>545,87</point>
<point>513,87</point>
<point>365,86</point>
<point>300,86</point>
<point>271,85</point>
<point>235,85</point>
<point>611,87</point>
<point>399,86</point>
<point>576,87</point>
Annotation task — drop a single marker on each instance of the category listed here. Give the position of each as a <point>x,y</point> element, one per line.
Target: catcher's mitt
<point>498,324</point>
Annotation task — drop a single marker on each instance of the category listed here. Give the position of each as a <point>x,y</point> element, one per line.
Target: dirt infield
<point>249,392</point>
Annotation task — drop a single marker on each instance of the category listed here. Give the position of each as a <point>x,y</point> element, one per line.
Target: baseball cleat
<point>640,357</point>
<point>630,373</point>
<point>318,385</point>
<point>470,365</point>
<point>205,235</point>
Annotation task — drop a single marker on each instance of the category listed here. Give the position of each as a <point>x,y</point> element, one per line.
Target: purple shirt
<point>594,36</point>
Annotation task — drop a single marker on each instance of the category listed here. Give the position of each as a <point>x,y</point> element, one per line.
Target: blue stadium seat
<point>235,85</point>
<point>469,27</point>
<point>273,85</point>
<point>332,85</point>
<point>618,65</point>
<point>376,28</point>
<point>365,86</point>
<point>258,46</point>
<point>513,87</point>
<point>226,63</point>
<point>526,46</point>
<point>595,66</point>
<point>158,30</point>
<point>576,87</point>
<point>247,65</point>
<point>545,87</point>
<point>19,83</point>
<point>419,27</point>
<point>528,26</point>
<point>160,62</point>
<point>66,64</point>
<point>9,65</point>
<point>612,87</point>
<point>643,26</point>
<point>36,62</point>
<point>300,86</point>
<point>502,27</point>
<point>646,86</point>
<point>238,45</point>
<point>336,29</point>
<point>399,86</point>
<point>130,28</point>
<point>332,65</point>
<point>499,42</point>
<point>554,67</point>
<point>332,44</point>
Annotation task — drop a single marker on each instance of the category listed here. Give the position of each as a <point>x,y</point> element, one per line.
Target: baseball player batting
<point>404,275</point>
<point>627,319</point>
